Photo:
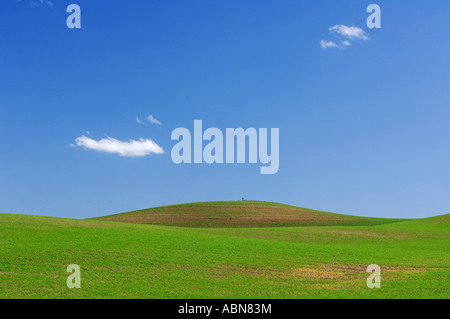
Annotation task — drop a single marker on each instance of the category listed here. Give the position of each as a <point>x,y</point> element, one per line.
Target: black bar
<point>223,308</point>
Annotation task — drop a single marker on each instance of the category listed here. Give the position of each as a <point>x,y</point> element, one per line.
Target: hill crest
<point>240,214</point>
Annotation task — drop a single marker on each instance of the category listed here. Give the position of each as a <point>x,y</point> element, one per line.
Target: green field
<point>224,250</point>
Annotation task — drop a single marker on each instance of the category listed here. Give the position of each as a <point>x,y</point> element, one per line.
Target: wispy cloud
<point>351,33</point>
<point>346,43</point>
<point>130,148</point>
<point>139,121</point>
<point>152,120</point>
<point>344,35</point>
<point>327,44</point>
<point>37,3</point>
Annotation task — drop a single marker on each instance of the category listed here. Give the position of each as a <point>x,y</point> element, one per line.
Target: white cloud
<point>152,120</point>
<point>344,34</point>
<point>346,43</point>
<point>130,148</point>
<point>37,3</point>
<point>328,44</point>
<point>139,121</point>
<point>351,33</point>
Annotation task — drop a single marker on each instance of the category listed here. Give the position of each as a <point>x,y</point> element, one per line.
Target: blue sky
<point>363,128</point>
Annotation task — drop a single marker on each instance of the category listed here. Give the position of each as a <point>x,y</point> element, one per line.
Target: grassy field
<point>275,251</point>
<point>240,214</point>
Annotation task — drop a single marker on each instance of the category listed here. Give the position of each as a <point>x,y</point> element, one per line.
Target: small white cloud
<point>346,43</point>
<point>152,120</point>
<point>328,44</point>
<point>351,33</point>
<point>130,148</point>
<point>139,121</point>
<point>37,3</point>
<point>40,2</point>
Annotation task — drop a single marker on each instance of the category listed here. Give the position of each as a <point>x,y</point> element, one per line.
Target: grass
<point>242,214</point>
<point>126,260</point>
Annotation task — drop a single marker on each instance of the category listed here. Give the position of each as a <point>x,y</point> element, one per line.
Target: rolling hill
<point>241,214</point>
<point>306,258</point>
